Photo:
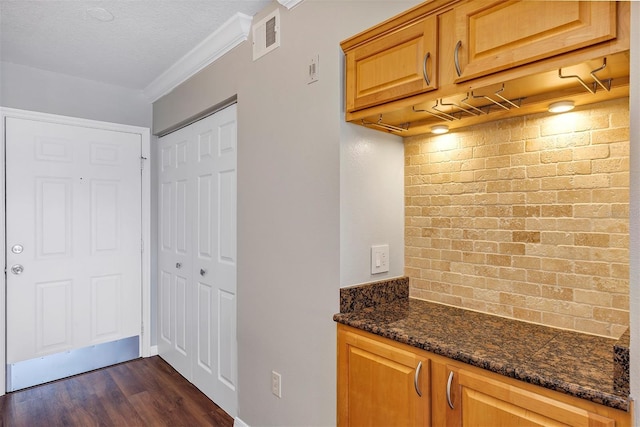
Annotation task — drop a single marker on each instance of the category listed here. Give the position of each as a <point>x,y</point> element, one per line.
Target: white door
<point>175,250</point>
<point>197,255</point>
<point>73,236</point>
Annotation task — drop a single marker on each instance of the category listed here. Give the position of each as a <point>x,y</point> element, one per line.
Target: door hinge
<point>142,244</point>
<point>142,159</point>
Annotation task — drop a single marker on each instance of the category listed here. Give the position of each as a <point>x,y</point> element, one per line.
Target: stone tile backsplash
<point>526,218</point>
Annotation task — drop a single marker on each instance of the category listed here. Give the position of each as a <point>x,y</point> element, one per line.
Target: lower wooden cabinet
<point>479,398</point>
<point>380,383</point>
<point>379,380</point>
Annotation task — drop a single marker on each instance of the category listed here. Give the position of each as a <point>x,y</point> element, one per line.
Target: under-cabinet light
<point>439,129</point>
<point>561,106</point>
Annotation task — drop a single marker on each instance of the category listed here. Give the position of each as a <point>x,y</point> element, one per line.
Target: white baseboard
<point>153,350</point>
<point>239,423</point>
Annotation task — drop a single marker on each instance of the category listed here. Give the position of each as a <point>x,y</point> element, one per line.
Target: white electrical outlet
<point>379,259</point>
<point>276,384</point>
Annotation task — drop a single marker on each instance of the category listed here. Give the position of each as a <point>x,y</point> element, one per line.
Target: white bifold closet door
<point>197,255</point>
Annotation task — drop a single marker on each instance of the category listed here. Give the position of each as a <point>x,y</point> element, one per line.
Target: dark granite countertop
<point>577,364</point>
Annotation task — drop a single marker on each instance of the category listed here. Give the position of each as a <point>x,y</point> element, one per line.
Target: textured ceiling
<point>143,40</point>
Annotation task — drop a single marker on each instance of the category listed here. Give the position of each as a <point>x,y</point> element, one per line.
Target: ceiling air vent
<point>266,34</point>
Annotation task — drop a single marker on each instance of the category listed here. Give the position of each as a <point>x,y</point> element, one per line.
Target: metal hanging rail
<point>596,80</point>
<point>386,126</point>
<point>464,108</point>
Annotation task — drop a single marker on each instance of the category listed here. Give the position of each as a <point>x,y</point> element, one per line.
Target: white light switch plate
<point>314,69</point>
<point>379,259</point>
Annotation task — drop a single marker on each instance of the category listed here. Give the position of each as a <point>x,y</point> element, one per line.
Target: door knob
<point>178,265</point>
<point>203,271</point>
<point>17,269</point>
<point>17,249</point>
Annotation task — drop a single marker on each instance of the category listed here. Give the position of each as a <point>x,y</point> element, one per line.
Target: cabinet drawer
<point>497,35</point>
<point>397,65</point>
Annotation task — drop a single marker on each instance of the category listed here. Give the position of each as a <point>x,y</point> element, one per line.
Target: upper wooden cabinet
<point>495,35</point>
<point>400,64</point>
<point>402,74</point>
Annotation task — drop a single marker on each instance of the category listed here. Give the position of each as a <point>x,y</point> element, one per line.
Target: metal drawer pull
<point>456,60</point>
<point>449,390</point>
<point>415,379</point>
<point>424,69</point>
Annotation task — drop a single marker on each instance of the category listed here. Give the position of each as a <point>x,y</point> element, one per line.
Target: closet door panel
<point>198,231</point>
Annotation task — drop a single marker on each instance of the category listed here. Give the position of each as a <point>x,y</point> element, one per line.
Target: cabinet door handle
<point>449,390</point>
<point>415,379</point>
<point>456,60</point>
<point>424,69</point>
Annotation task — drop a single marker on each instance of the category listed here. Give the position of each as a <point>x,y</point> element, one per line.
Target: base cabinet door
<point>485,401</point>
<point>380,384</point>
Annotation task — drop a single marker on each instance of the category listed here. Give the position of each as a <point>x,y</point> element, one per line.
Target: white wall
<point>32,89</point>
<point>371,202</point>
<point>291,138</point>
<point>634,211</point>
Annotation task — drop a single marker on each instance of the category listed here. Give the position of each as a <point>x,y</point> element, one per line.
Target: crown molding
<point>229,35</point>
<point>289,3</point>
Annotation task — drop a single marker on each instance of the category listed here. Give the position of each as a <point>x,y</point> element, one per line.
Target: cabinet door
<point>380,384</point>
<point>445,394</point>
<point>399,64</point>
<point>496,35</point>
<point>485,401</point>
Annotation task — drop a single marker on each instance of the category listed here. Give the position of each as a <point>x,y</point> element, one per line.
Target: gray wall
<point>290,253</point>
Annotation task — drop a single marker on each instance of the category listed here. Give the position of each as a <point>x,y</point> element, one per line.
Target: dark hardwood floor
<point>143,392</point>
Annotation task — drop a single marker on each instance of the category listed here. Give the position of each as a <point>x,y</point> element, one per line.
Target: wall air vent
<point>266,34</point>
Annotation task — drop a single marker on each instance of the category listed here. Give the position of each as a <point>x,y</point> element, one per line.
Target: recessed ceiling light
<point>100,14</point>
<point>561,106</point>
<point>439,129</point>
